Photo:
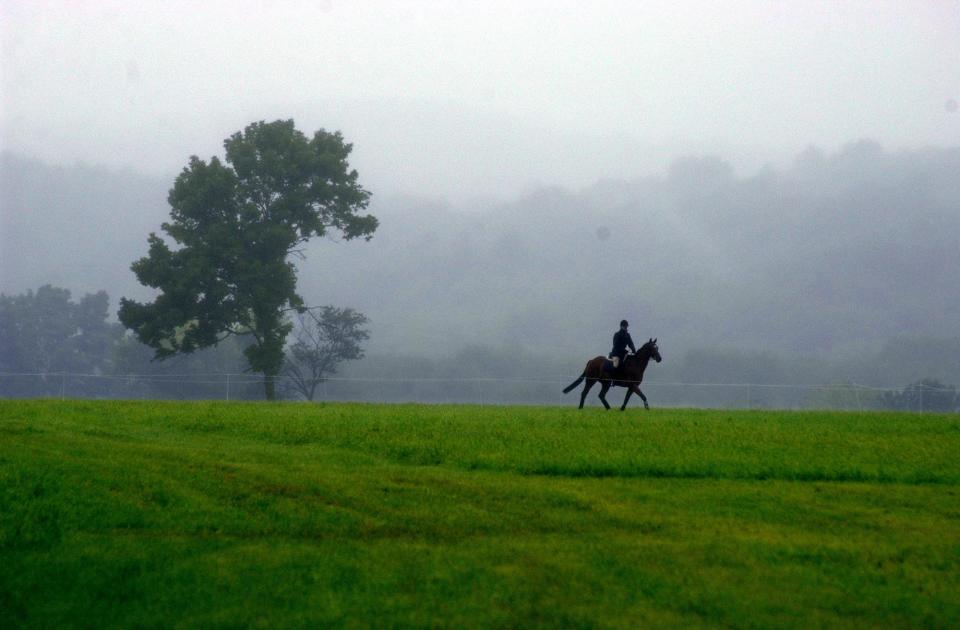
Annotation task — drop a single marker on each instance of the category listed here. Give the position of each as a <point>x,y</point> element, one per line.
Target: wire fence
<point>540,390</point>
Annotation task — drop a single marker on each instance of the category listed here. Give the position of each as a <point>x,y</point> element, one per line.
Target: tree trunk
<point>269,386</point>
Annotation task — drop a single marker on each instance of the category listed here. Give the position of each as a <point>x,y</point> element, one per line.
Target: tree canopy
<point>237,224</point>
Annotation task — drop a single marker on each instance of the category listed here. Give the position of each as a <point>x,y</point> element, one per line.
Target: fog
<point>479,99</point>
<point>762,179</point>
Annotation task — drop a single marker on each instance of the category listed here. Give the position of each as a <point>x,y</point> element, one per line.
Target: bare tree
<point>325,337</point>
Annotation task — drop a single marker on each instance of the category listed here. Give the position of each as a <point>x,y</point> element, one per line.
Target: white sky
<point>479,99</point>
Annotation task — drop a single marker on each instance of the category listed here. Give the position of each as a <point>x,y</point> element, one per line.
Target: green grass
<point>132,514</point>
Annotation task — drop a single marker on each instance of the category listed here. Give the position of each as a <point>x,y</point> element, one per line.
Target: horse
<point>628,375</point>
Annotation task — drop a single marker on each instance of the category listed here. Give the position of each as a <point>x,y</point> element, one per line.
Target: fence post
<point>228,387</point>
<point>63,385</point>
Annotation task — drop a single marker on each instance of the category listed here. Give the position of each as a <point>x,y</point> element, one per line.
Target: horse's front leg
<point>626,398</point>
<point>642,397</point>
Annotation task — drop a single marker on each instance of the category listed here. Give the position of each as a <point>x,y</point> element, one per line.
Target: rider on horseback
<point>621,341</point>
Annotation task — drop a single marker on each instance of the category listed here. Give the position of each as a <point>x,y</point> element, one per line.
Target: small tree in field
<point>236,225</point>
<point>322,342</point>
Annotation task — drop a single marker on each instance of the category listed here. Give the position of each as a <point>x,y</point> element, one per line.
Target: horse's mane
<point>636,355</point>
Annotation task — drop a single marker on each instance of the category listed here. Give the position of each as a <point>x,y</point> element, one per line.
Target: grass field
<point>137,514</point>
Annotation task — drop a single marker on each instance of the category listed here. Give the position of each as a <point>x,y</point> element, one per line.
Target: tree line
<point>45,335</point>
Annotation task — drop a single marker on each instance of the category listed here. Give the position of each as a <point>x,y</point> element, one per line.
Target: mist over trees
<point>833,256</point>
<point>52,345</point>
<point>43,332</point>
<point>837,267</point>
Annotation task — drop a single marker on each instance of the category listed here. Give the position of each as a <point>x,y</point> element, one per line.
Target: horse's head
<point>651,350</point>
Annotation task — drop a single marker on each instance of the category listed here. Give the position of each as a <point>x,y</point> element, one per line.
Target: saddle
<point>610,369</point>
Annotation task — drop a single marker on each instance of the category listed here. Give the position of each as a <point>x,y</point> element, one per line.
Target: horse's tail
<point>569,388</point>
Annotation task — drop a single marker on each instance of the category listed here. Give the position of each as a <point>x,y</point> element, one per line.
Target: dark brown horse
<point>629,375</point>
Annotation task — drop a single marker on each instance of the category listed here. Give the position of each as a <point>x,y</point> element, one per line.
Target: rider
<point>621,341</point>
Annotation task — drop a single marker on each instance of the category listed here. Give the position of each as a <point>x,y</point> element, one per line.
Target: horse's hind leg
<point>604,388</point>
<point>586,388</point>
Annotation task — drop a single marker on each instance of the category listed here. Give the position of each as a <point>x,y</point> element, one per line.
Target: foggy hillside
<point>76,227</point>
<point>837,254</point>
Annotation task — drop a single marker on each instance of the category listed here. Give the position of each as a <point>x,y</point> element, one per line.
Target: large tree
<point>237,225</point>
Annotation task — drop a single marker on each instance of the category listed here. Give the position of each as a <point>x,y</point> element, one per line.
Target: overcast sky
<point>479,99</point>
